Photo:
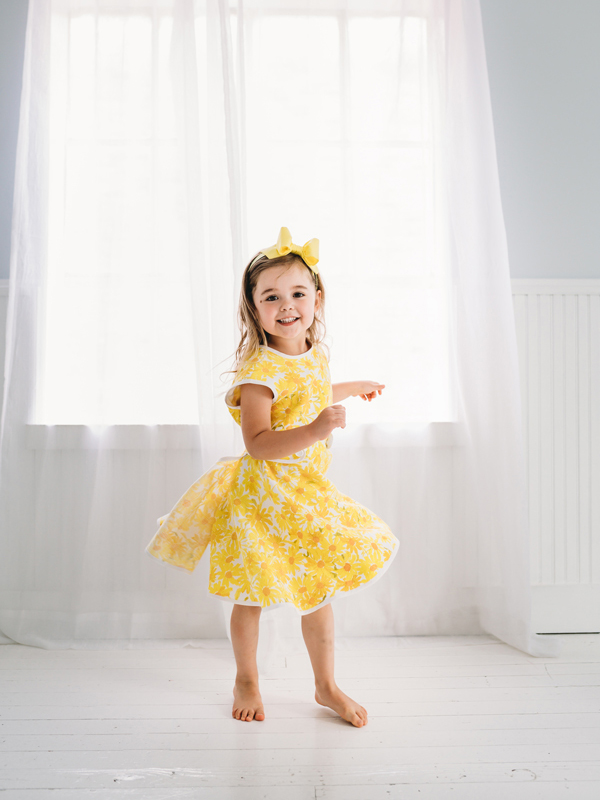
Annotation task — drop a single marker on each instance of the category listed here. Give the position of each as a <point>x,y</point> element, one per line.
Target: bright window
<point>338,136</point>
<point>118,327</point>
<point>353,133</point>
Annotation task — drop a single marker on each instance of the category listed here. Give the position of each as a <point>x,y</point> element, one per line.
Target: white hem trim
<point>370,582</point>
<point>286,355</point>
<point>325,602</point>
<point>166,563</point>
<point>267,382</point>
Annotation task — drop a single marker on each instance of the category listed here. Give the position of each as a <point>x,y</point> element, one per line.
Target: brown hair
<point>252,332</point>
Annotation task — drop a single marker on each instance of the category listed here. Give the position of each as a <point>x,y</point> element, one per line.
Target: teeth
<point>289,319</point>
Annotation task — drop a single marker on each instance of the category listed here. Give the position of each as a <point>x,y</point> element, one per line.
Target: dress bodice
<point>301,385</point>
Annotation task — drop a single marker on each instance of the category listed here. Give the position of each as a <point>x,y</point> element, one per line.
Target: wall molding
<point>555,286</point>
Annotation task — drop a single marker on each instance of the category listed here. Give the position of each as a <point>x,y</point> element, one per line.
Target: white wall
<point>544,74</point>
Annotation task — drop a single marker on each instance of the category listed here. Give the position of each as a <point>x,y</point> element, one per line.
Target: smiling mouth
<point>288,320</point>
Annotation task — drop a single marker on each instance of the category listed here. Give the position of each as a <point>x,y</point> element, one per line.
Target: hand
<point>330,418</point>
<point>368,390</point>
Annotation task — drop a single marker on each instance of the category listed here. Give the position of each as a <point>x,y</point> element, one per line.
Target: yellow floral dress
<point>279,531</point>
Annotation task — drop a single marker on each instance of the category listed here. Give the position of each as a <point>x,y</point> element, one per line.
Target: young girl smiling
<point>279,530</point>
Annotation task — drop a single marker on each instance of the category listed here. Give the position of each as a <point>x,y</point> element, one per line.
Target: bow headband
<point>309,252</point>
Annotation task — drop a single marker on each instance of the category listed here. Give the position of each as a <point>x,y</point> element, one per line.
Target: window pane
<point>294,78</point>
<point>351,160</point>
<point>118,326</point>
<point>339,120</point>
<point>389,93</point>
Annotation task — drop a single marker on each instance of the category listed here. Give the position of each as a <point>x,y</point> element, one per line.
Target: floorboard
<point>449,717</point>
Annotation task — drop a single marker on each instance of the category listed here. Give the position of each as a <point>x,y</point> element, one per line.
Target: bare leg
<point>317,629</point>
<point>247,702</point>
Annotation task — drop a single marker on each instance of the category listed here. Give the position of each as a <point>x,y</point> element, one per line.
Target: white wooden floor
<point>449,717</point>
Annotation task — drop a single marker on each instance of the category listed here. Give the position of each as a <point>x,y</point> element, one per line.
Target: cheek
<point>308,307</point>
<point>266,311</point>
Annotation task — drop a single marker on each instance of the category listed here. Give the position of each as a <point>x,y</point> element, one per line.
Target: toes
<point>247,714</point>
<point>360,717</point>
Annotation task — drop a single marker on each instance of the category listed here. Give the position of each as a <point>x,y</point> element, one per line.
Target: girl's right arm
<point>265,444</point>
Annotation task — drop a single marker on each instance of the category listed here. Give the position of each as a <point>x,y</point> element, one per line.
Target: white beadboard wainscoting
<point>558,333</point>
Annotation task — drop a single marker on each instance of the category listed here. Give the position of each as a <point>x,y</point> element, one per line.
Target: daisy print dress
<point>279,530</point>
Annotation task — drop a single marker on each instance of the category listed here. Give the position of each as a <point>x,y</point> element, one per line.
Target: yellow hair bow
<point>309,251</point>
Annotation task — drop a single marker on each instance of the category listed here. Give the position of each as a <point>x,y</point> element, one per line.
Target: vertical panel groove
<point>559,340</point>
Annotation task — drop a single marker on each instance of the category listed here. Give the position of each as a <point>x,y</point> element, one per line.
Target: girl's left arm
<point>368,390</point>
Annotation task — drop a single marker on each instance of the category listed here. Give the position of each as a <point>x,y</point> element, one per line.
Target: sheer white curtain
<point>161,144</point>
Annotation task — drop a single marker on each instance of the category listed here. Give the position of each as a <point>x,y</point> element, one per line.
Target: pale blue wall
<point>13,21</point>
<point>544,72</point>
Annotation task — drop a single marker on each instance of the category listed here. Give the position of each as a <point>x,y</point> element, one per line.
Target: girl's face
<point>286,301</point>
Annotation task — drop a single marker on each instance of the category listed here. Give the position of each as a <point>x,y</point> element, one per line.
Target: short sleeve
<point>257,369</point>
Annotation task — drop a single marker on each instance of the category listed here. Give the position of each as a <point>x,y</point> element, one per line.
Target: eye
<point>298,294</point>
<point>271,297</point>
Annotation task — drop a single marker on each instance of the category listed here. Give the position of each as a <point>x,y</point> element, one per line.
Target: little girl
<point>279,530</point>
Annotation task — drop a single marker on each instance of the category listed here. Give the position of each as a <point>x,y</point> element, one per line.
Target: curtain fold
<point>80,498</point>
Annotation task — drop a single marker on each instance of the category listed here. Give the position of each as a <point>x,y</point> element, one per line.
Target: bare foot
<point>247,702</point>
<point>343,705</point>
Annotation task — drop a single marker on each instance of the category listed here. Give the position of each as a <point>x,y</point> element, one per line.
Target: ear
<point>317,299</point>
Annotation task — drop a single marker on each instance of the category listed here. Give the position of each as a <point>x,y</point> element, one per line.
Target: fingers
<point>339,415</point>
<point>372,395</point>
<point>340,418</point>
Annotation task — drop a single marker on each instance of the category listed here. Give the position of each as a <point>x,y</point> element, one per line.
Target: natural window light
<point>358,153</point>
